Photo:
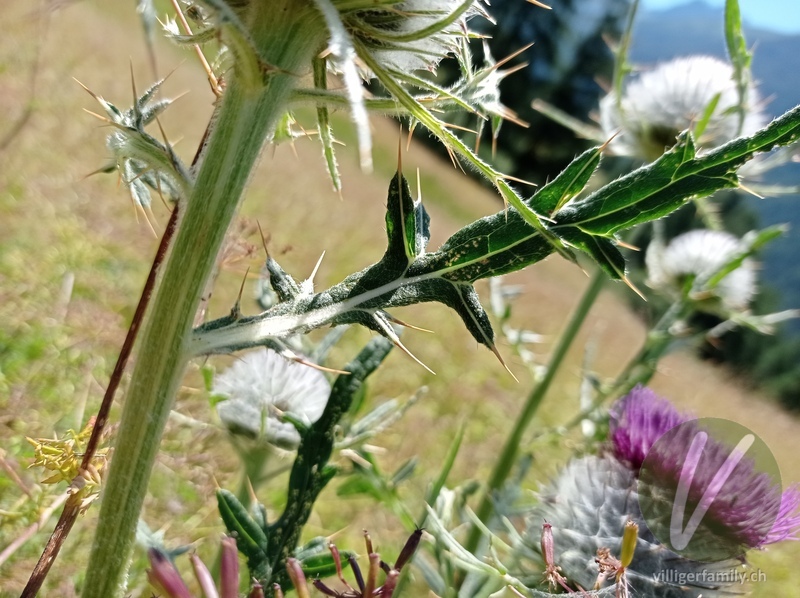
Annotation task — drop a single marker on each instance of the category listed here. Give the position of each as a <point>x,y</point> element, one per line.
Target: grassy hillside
<point>74,254</point>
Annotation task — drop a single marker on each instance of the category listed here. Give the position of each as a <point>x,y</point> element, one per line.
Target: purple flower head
<point>639,419</point>
<point>748,510</point>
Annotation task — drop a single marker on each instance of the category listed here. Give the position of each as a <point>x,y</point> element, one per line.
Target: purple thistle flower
<point>637,421</point>
<point>748,510</point>
<point>787,525</point>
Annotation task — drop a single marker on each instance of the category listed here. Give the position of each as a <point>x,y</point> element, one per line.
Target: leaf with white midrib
<point>501,243</point>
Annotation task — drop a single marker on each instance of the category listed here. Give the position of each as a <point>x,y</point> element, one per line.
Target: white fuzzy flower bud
<point>414,34</point>
<point>673,97</point>
<point>260,387</point>
<point>701,255</point>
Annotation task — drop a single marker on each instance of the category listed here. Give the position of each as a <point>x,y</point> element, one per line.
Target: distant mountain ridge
<point>697,28</point>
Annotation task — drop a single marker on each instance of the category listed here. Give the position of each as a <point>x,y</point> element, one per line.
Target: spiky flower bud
<point>595,504</point>
<point>588,505</point>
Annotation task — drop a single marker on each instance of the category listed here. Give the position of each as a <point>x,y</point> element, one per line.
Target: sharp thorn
<point>403,348</point>
<point>316,268</point>
<point>133,85</point>
<point>322,368</point>
<point>406,324</point>
<point>628,246</point>
<point>493,349</point>
<point>410,135</point>
<point>632,286</point>
<point>512,56</point>
<point>750,191</point>
<point>236,310</point>
<point>263,238</point>
<point>149,214</point>
<point>103,118</point>
<point>292,356</point>
<point>89,91</point>
<point>400,151</point>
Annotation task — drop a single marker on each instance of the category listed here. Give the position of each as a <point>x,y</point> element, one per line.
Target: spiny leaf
<point>491,246</point>
<point>501,243</point>
<point>602,250</point>
<point>407,225</point>
<point>310,472</point>
<point>568,184</point>
<point>677,176</point>
<point>323,123</point>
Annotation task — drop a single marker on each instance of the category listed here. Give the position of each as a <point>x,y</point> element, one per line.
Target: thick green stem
<point>508,456</point>
<point>286,33</point>
<point>643,366</point>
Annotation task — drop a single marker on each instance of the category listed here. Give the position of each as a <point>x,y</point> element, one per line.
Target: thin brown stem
<point>130,339</point>
<point>73,505</point>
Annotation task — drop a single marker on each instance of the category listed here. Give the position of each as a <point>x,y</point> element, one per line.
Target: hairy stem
<point>286,33</point>
<point>508,456</point>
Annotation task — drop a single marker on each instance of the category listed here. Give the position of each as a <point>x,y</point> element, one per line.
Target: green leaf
<point>250,537</point>
<point>361,485</point>
<point>285,287</point>
<point>568,184</point>
<point>678,175</point>
<point>322,565</point>
<point>705,118</point>
<point>602,250</point>
<point>313,547</point>
<point>491,246</point>
<point>441,479</point>
<point>407,225</point>
<point>404,472</point>
<point>463,299</point>
<point>310,471</point>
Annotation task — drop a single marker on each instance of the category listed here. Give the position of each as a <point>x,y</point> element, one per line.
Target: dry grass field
<point>74,254</point>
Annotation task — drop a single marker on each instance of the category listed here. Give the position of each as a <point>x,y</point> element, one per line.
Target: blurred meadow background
<point>74,253</point>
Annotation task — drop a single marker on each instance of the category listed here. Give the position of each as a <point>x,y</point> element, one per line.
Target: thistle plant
<point>276,56</point>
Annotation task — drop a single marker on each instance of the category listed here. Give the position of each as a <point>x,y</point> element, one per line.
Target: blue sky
<point>777,15</point>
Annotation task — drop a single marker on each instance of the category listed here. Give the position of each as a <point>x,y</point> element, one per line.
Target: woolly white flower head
<point>671,98</point>
<point>261,386</point>
<point>701,254</point>
<point>413,34</point>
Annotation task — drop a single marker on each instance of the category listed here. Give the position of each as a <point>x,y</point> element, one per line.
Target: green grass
<point>57,349</point>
